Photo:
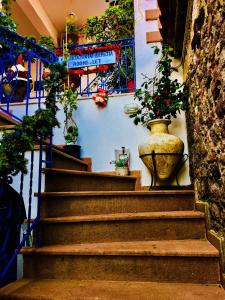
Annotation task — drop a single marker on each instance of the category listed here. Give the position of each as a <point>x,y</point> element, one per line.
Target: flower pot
<point>161,141</point>
<point>73,150</point>
<point>122,171</point>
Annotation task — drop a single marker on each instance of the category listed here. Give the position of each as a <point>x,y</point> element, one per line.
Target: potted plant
<point>160,99</point>
<point>121,166</point>
<point>69,102</point>
<point>72,33</point>
<point>121,162</point>
<point>46,41</point>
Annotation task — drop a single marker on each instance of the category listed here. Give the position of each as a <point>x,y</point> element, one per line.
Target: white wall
<point>102,130</point>
<point>145,58</point>
<point>26,183</point>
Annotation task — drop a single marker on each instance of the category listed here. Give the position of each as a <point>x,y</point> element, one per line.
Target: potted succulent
<point>69,102</point>
<point>121,166</point>
<point>122,162</point>
<point>161,98</point>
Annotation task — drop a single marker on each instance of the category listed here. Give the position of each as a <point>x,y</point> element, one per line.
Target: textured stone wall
<point>206,115</point>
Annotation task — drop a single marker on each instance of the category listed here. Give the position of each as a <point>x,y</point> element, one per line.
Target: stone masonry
<point>206,115</point>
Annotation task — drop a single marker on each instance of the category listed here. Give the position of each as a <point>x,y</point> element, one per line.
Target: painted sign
<point>92,59</point>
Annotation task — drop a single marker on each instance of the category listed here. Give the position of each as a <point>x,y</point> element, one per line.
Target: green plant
<point>5,16</point>
<point>46,41</point>
<point>6,21</point>
<point>72,28</point>
<point>120,76</point>
<point>69,102</point>
<point>32,38</point>
<point>6,7</point>
<point>160,96</point>
<point>116,23</point>
<point>120,163</point>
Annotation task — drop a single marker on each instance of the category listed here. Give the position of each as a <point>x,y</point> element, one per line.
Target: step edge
<point>158,215</point>
<point>69,156</point>
<point>85,173</point>
<point>116,193</point>
<point>51,250</point>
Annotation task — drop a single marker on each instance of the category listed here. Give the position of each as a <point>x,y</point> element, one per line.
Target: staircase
<point>101,239</point>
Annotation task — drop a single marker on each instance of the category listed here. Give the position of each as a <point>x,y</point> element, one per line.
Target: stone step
<point>54,289</point>
<point>187,261</point>
<point>62,160</point>
<point>6,119</point>
<point>123,227</point>
<point>57,180</point>
<point>62,204</point>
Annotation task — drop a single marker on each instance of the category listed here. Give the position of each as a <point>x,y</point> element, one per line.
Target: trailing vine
<point>25,135</point>
<point>14,144</point>
<point>5,16</point>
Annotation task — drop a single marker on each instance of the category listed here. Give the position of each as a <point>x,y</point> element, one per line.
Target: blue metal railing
<point>13,212</point>
<point>119,77</point>
<point>21,81</point>
<point>24,82</point>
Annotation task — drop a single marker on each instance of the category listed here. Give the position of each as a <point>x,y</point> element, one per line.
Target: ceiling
<point>57,10</point>
<point>27,12</point>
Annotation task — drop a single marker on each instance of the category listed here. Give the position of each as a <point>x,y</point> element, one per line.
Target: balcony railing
<point>21,82</point>
<point>108,65</point>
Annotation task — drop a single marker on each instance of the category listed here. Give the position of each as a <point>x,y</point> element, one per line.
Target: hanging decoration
<point>101,98</point>
<point>90,50</point>
<point>99,69</point>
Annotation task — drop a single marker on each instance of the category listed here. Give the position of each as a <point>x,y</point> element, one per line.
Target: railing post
<point>37,236</point>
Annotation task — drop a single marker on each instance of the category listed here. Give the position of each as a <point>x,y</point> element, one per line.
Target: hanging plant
<point>69,102</point>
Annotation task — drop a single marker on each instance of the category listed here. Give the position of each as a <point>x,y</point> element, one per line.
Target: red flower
<point>167,102</point>
<point>158,112</point>
<point>155,98</point>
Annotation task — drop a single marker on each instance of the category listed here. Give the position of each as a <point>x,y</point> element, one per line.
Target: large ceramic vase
<point>161,142</point>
